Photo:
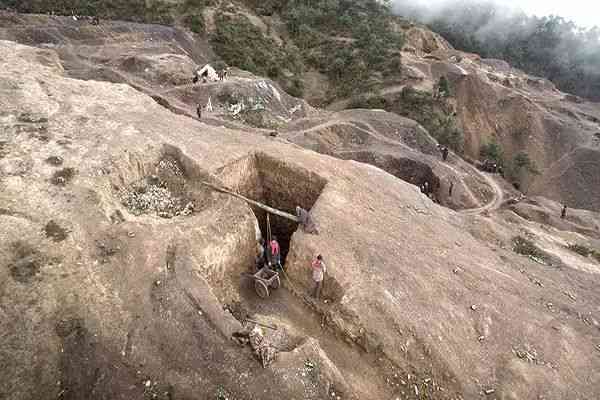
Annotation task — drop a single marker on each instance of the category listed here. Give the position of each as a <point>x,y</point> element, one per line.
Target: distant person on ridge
<point>450,188</point>
<point>563,213</point>
<point>199,111</point>
<point>444,153</point>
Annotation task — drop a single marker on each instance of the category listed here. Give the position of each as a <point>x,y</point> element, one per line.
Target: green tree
<point>444,86</point>
<point>492,151</point>
<point>551,47</point>
<point>195,23</point>
<point>521,170</point>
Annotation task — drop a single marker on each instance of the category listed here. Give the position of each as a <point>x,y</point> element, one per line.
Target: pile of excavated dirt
<point>150,198</point>
<point>164,194</point>
<point>418,300</point>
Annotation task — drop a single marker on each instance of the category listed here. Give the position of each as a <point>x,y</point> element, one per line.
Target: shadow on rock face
<point>63,176</point>
<point>90,370</point>
<point>55,232</point>
<point>411,171</point>
<point>108,246</point>
<point>26,262</point>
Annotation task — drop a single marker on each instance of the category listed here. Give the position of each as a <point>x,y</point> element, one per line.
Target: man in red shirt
<point>275,252</point>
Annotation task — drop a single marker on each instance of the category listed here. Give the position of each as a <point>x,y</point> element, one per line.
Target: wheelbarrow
<point>264,279</point>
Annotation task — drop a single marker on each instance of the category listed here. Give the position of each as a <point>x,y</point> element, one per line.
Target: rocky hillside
<point>548,141</point>
<point>121,270</point>
<point>124,276</point>
<point>532,125</point>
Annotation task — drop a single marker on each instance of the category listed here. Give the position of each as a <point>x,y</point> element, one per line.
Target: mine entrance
<point>277,184</point>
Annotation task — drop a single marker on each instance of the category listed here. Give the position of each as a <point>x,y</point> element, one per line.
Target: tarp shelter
<point>207,72</point>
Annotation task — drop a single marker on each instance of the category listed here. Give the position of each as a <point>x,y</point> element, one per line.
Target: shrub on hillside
<point>195,23</point>
<point>492,151</point>
<point>526,247</point>
<point>294,87</point>
<point>239,43</point>
<point>156,11</point>
<point>420,106</point>
<point>584,251</point>
<point>580,249</point>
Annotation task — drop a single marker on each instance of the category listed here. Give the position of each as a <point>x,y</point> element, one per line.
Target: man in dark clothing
<point>199,111</point>
<point>306,221</point>
<point>444,153</point>
<point>450,188</point>
<point>563,213</point>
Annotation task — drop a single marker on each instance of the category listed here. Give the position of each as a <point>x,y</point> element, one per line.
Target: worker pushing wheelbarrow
<point>268,265</point>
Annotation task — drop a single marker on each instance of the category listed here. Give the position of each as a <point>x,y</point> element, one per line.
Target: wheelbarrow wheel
<point>275,283</point>
<point>261,289</point>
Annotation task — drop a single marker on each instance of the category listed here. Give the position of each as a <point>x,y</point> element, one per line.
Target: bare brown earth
<point>522,113</point>
<point>105,298</point>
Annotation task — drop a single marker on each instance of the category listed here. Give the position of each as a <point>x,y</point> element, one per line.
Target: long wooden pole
<point>261,324</point>
<point>268,209</point>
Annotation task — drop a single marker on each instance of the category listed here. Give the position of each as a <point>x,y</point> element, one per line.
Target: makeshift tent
<point>207,72</point>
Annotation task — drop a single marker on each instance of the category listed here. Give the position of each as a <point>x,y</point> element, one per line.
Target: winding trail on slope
<point>492,205</point>
<point>496,201</point>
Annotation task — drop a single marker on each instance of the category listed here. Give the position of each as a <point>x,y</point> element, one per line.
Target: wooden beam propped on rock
<point>262,206</point>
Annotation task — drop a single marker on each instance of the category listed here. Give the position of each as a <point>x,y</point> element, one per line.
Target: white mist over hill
<point>583,12</point>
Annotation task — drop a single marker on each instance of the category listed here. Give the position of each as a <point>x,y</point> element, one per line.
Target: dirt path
<point>492,205</point>
<point>289,312</point>
<point>495,203</point>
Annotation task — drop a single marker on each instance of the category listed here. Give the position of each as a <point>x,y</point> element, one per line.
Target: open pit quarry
<point>124,276</point>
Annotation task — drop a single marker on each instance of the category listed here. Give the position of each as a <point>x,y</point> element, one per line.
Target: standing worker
<point>199,111</point>
<point>318,274</point>
<point>275,252</point>
<point>444,153</point>
<point>563,213</point>
<point>306,221</point>
<point>450,188</point>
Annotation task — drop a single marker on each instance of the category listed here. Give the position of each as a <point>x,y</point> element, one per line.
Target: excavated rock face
<point>425,41</point>
<point>495,102</point>
<point>398,146</point>
<point>575,179</point>
<point>160,69</point>
<point>420,300</point>
<point>492,100</point>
